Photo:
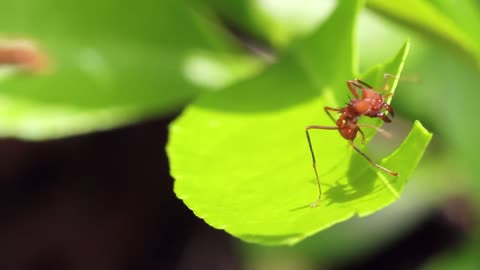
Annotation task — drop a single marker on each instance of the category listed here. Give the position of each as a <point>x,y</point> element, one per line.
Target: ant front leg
<point>371,161</point>
<point>354,85</point>
<point>384,117</point>
<point>389,109</point>
<point>363,83</point>
<point>307,128</point>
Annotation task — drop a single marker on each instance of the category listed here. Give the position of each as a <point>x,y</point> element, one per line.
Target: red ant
<point>371,104</point>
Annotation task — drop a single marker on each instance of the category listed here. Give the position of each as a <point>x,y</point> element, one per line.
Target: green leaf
<point>461,33</point>
<point>240,158</point>
<point>277,22</point>
<point>113,62</point>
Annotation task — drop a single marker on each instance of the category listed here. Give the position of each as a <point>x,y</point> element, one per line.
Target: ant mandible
<point>371,104</point>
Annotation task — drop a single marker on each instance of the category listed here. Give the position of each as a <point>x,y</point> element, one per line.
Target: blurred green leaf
<point>240,158</point>
<point>113,62</point>
<point>465,14</point>
<point>453,125</point>
<point>277,22</point>
<point>426,17</point>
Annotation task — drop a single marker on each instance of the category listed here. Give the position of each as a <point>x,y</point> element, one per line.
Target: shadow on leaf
<point>360,180</point>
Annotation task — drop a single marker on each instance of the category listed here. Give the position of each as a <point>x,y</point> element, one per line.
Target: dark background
<point>106,201</point>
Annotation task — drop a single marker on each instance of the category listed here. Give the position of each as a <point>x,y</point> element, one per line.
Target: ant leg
<point>328,109</point>
<point>386,76</point>
<point>363,135</point>
<point>389,109</point>
<point>361,84</point>
<point>384,117</point>
<point>379,130</point>
<point>356,84</point>
<point>364,83</point>
<point>353,85</point>
<point>371,161</point>
<point>307,128</point>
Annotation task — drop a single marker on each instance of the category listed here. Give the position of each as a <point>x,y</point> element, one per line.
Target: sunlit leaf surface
<point>240,158</point>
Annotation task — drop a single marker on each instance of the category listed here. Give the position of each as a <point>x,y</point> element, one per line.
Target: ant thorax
<point>347,123</point>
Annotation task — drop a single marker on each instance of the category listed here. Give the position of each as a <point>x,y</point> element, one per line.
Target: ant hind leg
<point>307,128</point>
<point>371,161</point>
